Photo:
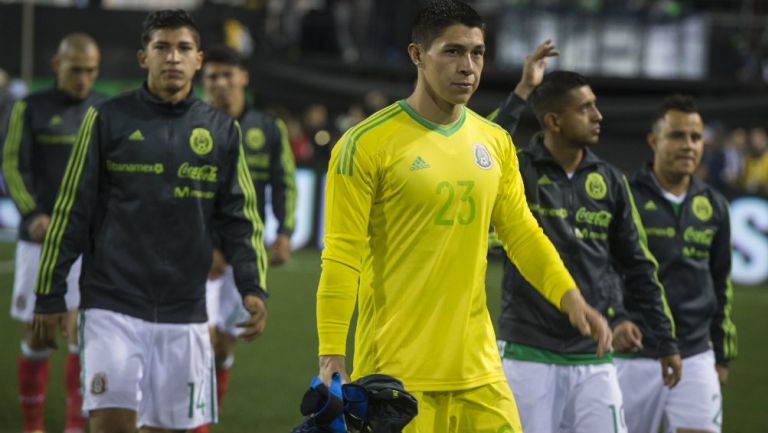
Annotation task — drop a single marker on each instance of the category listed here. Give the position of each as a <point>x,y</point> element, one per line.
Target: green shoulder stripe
<point>63,205</point>
<point>289,172</point>
<point>11,149</point>
<point>494,114</point>
<point>643,239</point>
<point>486,121</point>
<point>342,164</point>
<point>251,212</point>
<point>354,135</point>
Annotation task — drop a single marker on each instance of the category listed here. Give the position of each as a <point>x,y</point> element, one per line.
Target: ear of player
<point>376,403</point>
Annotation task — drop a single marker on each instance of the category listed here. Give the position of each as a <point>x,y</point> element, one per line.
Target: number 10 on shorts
<point>196,400</point>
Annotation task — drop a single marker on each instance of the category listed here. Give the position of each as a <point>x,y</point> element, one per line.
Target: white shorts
<point>695,403</point>
<point>163,371</point>
<point>566,398</point>
<point>27,260</point>
<point>225,304</point>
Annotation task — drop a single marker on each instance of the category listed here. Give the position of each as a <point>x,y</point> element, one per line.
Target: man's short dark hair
<point>435,17</point>
<point>168,19</point>
<point>224,55</point>
<point>551,95</point>
<point>676,102</point>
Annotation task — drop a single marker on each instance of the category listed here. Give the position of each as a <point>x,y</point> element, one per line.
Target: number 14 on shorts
<point>196,399</point>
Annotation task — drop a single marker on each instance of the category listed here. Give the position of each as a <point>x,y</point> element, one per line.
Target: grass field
<point>271,374</point>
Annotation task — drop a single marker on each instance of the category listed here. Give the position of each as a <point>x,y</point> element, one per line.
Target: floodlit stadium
<point>233,158</point>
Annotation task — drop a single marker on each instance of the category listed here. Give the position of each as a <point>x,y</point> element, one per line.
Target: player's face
<point>172,57</point>
<point>76,72</point>
<point>454,62</point>
<point>223,83</point>
<point>579,120</point>
<point>678,142</point>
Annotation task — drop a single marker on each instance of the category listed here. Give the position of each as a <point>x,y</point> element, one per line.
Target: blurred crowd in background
<point>324,65</point>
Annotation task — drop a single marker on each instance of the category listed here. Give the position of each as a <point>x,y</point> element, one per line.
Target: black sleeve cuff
<point>721,361</point>
<point>285,231</point>
<point>261,293</point>
<point>667,348</point>
<point>50,304</point>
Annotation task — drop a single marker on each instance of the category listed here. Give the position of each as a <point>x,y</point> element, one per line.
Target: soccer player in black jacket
<point>153,174</point>
<point>270,160</point>
<point>689,233</point>
<point>584,206</point>
<point>40,134</point>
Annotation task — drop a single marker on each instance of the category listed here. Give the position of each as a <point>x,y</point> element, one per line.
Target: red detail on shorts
<point>222,384</point>
<point>205,428</point>
<point>75,420</point>
<point>33,381</point>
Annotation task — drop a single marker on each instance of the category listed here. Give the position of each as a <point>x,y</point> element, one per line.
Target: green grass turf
<point>271,374</point>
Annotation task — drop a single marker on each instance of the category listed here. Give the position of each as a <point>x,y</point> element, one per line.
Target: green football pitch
<point>271,374</point>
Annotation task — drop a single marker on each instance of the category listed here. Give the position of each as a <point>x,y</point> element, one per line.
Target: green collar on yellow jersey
<point>446,130</point>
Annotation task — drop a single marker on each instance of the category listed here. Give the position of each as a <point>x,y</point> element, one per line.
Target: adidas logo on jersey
<point>55,120</point>
<point>419,164</point>
<point>544,180</point>
<point>136,136</point>
<point>650,205</point>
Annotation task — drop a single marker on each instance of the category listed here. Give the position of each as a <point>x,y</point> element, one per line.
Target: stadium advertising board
<point>749,226</point>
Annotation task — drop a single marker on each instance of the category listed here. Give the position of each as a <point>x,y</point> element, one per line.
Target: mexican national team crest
<point>702,208</point>
<point>595,186</point>
<point>254,138</point>
<point>201,141</point>
<point>99,384</point>
<point>482,156</point>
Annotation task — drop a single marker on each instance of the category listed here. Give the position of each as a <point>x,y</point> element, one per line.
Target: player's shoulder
<point>485,124</point>
<point>204,110</point>
<point>377,127</point>
<point>118,102</point>
<point>490,134</point>
<point>606,168</point>
<point>254,118</point>
<point>39,97</point>
<point>700,187</point>
<point>95,98</point>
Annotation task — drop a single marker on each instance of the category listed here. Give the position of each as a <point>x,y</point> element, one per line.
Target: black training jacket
<point>146,185</point>
<point>694,254</point>
<point>592,221</point>
<point>39,136</point>
<point>270,159</point>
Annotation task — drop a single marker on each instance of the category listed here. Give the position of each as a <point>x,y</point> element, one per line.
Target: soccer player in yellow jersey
<point>411,193</point>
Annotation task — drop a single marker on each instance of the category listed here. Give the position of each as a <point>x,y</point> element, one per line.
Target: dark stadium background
<point>322,64</point>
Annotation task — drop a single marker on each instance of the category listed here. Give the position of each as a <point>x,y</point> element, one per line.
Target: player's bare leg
<point>113,421</point>
<point>223,349</point>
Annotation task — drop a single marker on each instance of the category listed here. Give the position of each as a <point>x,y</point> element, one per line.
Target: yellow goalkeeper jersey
<point>408,208</point>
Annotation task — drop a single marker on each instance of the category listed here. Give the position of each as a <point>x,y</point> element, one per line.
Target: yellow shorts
<point>486,409</point>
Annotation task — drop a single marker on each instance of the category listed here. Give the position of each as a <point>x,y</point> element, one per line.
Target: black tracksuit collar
<point>167,107</point>
<point>645,176</point>
<point>540,154</point>
<point>66,97</point>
